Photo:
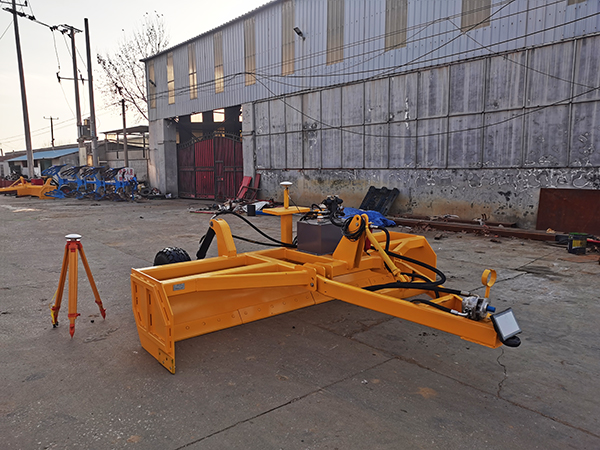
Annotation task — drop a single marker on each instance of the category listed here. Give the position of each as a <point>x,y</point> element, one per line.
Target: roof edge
<point>213,30</point>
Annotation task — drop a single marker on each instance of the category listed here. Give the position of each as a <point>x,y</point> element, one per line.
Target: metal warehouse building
<point>468,107</point>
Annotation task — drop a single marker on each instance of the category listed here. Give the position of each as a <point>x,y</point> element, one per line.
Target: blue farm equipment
<point>92,182</point>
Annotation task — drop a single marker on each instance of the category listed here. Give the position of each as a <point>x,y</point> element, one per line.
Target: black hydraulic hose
<point>252,241</point>
<point>427,284</point>
<point>353,235</point>
<point>437,271</point>
<point>416,275</point>
<point>279,243</point>
<point>414,285</point>
<point>338,222</point>
<point>435,305</point>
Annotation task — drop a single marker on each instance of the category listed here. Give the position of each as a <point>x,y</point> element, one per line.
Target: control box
<point>318,236</point>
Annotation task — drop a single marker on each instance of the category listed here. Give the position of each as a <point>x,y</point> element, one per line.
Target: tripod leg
<point>92,284</point>
<point>61,287</point>
<point>73,285</point>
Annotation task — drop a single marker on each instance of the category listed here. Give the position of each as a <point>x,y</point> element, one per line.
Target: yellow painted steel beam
<point>481,332</point>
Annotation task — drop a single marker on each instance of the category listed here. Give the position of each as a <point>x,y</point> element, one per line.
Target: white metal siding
<point>433,37</point>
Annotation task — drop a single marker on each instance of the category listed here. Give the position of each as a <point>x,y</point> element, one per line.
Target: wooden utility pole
<point>28,146</point>
<point>51,119</point>
<point>91,89</point>
<point>125,156</point>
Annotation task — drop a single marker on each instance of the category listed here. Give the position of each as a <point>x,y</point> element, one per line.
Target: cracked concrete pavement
<point>325,377</point>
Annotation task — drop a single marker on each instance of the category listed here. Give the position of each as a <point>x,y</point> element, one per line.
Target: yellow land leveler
<point>391,272</point>
<point>35,188</point>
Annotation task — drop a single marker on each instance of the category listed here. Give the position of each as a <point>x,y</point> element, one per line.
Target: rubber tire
<point>171,255</point>
<point>145,192</point>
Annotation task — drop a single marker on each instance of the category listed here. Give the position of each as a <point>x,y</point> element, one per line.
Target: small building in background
<point>42,159</point>
<point>111,152</point>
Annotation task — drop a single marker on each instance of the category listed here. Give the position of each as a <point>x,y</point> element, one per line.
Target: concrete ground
<point>332,376</point>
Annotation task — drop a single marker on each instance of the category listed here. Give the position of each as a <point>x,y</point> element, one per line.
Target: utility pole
<point>51,119</point>
<point>23,94</point>
<point>91,88</point>
<point>80,139</point>
<point>125,156</point>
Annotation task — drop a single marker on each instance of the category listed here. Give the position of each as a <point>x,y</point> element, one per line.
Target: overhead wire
<point>7,28</point>
<point>230,79</point>
<point>379,52</point>
<point>442,133</point>
<point>513,117</point>
<point>459,54</point>
<point>312,55</point>
<point>209,84</point>
<point>57,125</point>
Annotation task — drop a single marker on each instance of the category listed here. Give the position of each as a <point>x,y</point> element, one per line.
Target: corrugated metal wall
<point>514,110</point>
<point>488,132</point>
<point>433,34</point>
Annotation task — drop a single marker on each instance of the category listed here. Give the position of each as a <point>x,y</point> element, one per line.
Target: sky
<point>45,52</point>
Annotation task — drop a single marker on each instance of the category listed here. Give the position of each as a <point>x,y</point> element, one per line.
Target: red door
<point>210,168</point>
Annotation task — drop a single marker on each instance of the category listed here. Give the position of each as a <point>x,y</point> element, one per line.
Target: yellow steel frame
<point>22,187</point>
<point>179,301</point>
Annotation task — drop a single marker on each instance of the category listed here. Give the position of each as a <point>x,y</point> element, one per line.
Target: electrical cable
<point>377,37</point>
<point>230,78</point>
<point>313,55</point>
<point>7,28</point>
<point>525,113</point>
<point>442,133</point>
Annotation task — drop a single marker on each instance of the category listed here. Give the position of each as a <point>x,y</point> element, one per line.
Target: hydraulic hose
<point>279,243</point>
<point>437,271</point>
<point>440,307</point>
<point>427,284</point>
<point>353,235</point>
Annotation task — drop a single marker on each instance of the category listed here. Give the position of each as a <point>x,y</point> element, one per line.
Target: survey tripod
<point>70,263</point>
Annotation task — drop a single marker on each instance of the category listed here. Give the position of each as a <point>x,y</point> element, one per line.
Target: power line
<point>408,41</point>
<point>7,28</point>
<point>432,51</point>
<point>491,53</point>
<point>59,125</point>
<point>347,130</point>
<point>375,38</point>
<point>420,28</point>
<point>275,77</point>
<point>209,84</point>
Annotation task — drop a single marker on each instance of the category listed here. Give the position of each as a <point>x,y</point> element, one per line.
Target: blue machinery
<point>97,183</point>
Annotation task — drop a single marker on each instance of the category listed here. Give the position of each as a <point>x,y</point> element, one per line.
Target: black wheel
<point>171,255</point>
<point>145,192</point>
